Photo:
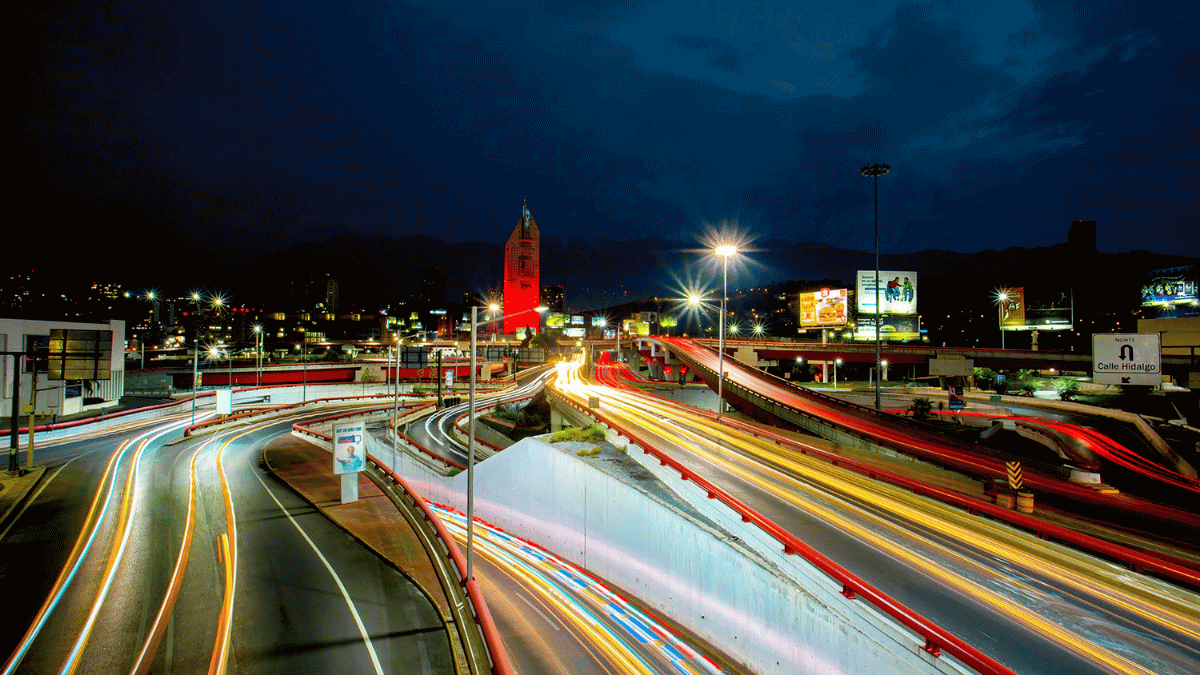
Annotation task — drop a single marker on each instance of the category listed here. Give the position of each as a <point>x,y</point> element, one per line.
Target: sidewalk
<point>126,403</point>
<point>373,519</point>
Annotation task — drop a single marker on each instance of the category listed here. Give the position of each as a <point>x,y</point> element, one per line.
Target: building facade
<point>522,287</point>
<point>61,397</point>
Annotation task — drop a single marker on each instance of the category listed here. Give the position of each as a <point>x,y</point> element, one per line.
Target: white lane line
<point>540,612</point>
<point>362,630</point>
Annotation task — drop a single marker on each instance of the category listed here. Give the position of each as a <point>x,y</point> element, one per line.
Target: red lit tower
<point>522,283</point>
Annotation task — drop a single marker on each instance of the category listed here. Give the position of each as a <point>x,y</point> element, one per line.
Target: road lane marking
<point>362,629</point>
<point>540,612</point>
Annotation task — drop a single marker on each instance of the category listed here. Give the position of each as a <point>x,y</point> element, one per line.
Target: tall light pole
<point>258,338</point>
<point>724,250</point>
<point>875,171</point>
<point>836,363</point>
<point>195,374</point>
<point>475,323</point>
<point>1002,307</point>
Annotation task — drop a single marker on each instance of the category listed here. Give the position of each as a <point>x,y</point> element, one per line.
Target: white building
<point>61,397</point>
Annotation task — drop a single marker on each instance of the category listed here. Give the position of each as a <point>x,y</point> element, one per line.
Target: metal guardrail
<point>936,638</point>
<point>478,614</point>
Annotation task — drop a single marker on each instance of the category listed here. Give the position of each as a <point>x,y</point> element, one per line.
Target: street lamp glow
<point>693,300</point>
<point>726,250</point>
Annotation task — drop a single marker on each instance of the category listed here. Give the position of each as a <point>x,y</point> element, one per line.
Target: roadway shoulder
<point>373,519</point>
<point>14,490</point>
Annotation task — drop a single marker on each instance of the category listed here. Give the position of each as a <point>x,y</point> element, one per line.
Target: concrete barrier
<point>773,612</point>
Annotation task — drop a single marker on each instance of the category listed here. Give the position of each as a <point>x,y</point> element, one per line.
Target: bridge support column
<point>555,420</point>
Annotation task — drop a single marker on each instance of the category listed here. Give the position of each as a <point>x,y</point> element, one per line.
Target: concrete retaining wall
<point>775,613</point>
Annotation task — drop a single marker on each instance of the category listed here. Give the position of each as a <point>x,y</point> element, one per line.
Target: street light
<point>1001,296</point>
<point>724,250</point>
<point>875,171</point>
<point>475,323</point>
<point>836,363</point>
<point>258,340</point>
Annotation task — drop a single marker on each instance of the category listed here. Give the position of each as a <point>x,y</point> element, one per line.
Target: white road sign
<point>1126,359</point>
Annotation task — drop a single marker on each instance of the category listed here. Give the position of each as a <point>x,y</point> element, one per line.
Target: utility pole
<point>32,418</point>
<point>15,420</point>
<point>439,380</point>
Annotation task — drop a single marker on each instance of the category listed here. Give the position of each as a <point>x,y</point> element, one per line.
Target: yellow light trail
<point>645,415</point>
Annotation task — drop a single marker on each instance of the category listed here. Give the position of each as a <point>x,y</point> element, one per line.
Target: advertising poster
<point>598,322</point>
<point>576,320</point>
<point>891,328</point>
<point>349,451</point>
<point>897,292</point>
<point>668,321</point>
<point>826,307</point>
<point>957,400</point>
<point>610,333</point>
<point>557,320</point>
<point>574,331</point>
<point>450,379</point>
<point>1012,308</point>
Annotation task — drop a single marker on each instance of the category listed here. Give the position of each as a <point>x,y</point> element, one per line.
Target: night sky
<point>160,135</point>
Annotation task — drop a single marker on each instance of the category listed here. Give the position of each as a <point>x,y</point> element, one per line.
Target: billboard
<point>1036,309</point>
<point>557,320</point>
<point>893,327</point>
<point>825,307</point>
<point>634,327</point>
<point>668,321</point>
<point>348,447</point>
<point>1011,304</point>
<point>574,331</point>
<point>1173,290</point>
<point>897,292</point>
<point>599,322</point>
<point>576,320</point>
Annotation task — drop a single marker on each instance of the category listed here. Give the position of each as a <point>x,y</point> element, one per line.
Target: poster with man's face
<point>349,448</point>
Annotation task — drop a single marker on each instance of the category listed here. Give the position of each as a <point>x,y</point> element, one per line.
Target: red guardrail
<point>936,638</point>
<point>1171,567</point>
<point>97,418</point>
<point>491,636</point>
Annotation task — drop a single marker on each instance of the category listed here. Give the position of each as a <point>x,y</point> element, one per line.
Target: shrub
<point>589,452</point>
<point>921,408</point>
<point>1066,388</point>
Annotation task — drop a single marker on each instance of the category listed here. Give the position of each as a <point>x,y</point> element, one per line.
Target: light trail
<point>886,508</point>
<point>589,609</point>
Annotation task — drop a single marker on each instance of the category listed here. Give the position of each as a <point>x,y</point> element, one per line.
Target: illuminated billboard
<point>1011,305</point>
<point>557,320</point>
<point>576,320</point>
<point>825,307</point>
<point>633,327</point>
<point>668,321</point>
<point>1034,309</point>
<point>893,327</point>
<point>574,332</point>
<point>599,322</point>
<point>897,292</point>
<point>1173,291</point>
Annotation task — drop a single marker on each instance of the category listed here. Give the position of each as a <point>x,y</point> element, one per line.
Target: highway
<point>146,553</point>
<point>922,443</point>
<point>1034,606</point>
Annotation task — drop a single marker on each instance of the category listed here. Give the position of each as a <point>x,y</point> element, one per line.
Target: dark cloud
<point>721,55</point>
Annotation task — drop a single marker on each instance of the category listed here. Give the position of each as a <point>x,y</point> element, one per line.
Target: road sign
<point>1015,480</point>
<point>1126,359</point>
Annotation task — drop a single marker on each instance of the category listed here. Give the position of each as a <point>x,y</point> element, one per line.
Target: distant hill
<point>375,268</point>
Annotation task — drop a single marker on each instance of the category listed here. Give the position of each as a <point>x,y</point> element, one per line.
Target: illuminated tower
<point>521,279</point>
